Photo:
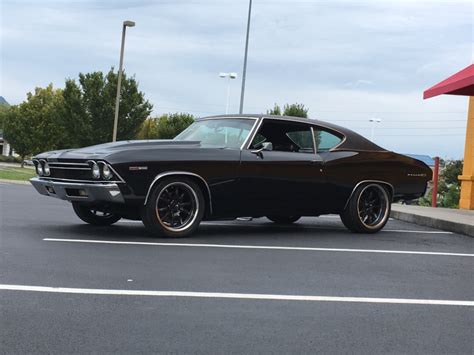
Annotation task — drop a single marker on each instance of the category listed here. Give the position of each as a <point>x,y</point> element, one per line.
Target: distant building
<point>5,148</point>
<point>424,158</point>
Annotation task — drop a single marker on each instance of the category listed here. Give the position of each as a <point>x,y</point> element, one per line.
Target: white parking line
<point>414,231</point>
<point>251,296</point>
<point>267,247</point>
<point>322,227</point>
<point>302,227</point>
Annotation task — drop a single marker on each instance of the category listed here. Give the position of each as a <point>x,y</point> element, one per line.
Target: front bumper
<point>72,191</point>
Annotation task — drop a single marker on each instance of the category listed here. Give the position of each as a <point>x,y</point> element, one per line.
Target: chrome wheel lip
<point>385,208</point>
<point>194,212</point>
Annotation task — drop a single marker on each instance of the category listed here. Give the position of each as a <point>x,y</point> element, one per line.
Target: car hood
<point>102,151</point>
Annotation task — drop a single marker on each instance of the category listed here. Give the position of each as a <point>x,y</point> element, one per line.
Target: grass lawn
<point>14,173</point>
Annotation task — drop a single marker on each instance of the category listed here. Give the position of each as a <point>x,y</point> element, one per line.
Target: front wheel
<point>368,209</point>
<point>174,208</point>
<point>284,219</point>
<point>93,216</point>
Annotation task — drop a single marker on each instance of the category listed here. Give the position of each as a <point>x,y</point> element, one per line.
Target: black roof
<point>352,141</point>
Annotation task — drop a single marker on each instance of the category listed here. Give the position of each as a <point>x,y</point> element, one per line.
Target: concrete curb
<point>433,222</point>
<point>17,182</point>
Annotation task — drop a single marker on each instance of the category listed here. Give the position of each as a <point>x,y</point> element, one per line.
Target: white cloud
<point>346,60</point>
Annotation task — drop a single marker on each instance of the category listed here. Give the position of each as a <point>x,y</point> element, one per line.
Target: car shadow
<point>208,232</point>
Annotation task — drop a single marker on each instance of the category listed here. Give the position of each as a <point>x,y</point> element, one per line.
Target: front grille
<point>58,165</point>
<point>75,171</point>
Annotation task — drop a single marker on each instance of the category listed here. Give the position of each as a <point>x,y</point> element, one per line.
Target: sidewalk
<point>18,182</point>
<point>15,165</point>
<point>453,220</point>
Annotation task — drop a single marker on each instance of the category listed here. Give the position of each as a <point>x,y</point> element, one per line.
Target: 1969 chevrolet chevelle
<point>234,166</point>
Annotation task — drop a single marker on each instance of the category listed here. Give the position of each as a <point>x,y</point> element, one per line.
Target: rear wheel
<point>174,208</point>
<point>368,209</point>
<point>284,219</point>
<point>94,216</point>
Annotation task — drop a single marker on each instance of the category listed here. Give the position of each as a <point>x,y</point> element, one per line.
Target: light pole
<point>119,83</point>
<point>372,129</point>
<point>244,72</point>
<point>229,76</point>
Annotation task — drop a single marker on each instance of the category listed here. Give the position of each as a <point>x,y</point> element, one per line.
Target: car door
<point>337,168</point>
<point>288,179</point>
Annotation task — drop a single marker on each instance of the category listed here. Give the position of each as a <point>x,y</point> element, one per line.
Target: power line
<point>195,109</point>
<point>420,135</point>
<point>401,121</point>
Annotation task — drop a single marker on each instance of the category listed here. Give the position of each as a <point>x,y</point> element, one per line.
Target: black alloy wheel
<point>174,208</point>
<point>368,209</point>
<point>94,216</point>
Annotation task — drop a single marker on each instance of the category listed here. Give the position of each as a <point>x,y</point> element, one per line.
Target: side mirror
<point>266,146</point>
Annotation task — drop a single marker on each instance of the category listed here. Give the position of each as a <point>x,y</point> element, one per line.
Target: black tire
<point>283,219</point>
<point>182,208</point>
<point>93,216</point>
<point>368,209</point>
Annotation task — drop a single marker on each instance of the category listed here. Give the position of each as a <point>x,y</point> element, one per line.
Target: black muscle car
<point>234,166</point>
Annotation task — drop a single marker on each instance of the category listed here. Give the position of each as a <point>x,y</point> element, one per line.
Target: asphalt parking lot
<point>236,286</point>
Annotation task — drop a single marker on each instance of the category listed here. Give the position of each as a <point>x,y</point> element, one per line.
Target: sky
<point>347,61</point>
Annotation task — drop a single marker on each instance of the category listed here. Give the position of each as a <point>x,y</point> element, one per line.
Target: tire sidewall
<point>85,214</point>
<point>150,219</point>
<point>350,216</point>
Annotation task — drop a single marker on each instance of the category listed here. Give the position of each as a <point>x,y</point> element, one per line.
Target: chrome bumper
<point>72,191</point>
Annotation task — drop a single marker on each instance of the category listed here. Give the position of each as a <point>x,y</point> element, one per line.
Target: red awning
<point>461,83</point>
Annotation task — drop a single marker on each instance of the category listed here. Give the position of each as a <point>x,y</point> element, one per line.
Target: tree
<point>166,126</point>
<point>36,124</point>
<point>449,188</point>
<point>276,110</point>
<point>90,104</point>
<point>4,108</point>
<point>170,125</point>
<point>18,132</point>
<point>295,110</point>
<point>148,129</point>
<point>451,171</point>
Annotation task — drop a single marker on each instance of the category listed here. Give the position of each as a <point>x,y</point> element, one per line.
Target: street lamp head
<point>129,23</point>
<point>228,75</point>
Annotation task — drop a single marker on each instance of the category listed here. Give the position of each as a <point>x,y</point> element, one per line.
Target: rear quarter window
<point>325,140</point>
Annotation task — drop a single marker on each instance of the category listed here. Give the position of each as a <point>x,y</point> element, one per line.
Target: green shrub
<point>9,159</point>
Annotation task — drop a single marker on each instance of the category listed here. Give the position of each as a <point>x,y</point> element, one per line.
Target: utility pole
<point>244,72</point>
<point>119,84</point>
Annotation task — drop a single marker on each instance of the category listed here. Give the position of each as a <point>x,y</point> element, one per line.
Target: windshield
<point>226,132</point>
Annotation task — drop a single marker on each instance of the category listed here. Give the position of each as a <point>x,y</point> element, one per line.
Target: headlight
<point>106,172</point>
<point>46,169</point>
<point>95,171</point>
<point>39,169</point>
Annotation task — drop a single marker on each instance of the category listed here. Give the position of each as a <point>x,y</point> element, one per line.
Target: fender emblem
<point>411,174</point>
<point>135,168</point>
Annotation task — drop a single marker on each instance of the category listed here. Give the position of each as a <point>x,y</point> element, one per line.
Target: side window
<point>325,140</point>
<point>258,140</point>
<point>303,139</point>
<point>285,136</point>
